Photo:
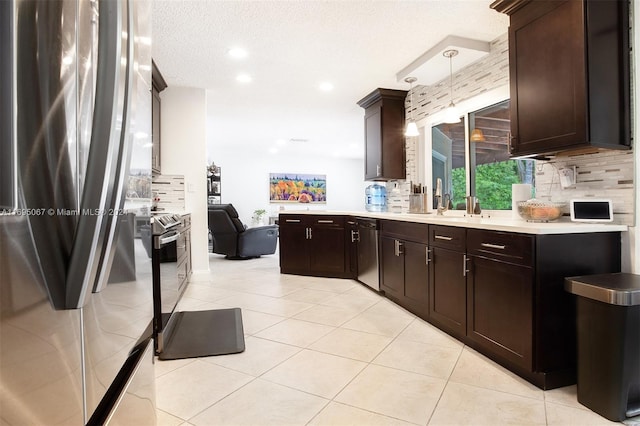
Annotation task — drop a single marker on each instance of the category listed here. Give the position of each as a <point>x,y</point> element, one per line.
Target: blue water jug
<point>376,198</point>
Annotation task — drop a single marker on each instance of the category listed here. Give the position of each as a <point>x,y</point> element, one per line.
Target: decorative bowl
<point>540,211</point>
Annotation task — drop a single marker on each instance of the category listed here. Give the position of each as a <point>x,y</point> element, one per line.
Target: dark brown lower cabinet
<point>327,249</point>
<point>416,262</point>
<point>447,278</point>
<point>404,265</point>
<point>392,279</point>
<point>500,309</point>
<point>518,312</point>
<point>501,293</point>
<point>293,240</point>
<point>314,245</point>
<point>351,235</point>
<point>448,291</point>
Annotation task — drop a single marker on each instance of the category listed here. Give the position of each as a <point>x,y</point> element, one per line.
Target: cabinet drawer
<point>448,237</point>
<point>291,219</point>
<point>408,231</point>
<point>328,220</point>
<point>505,246</point>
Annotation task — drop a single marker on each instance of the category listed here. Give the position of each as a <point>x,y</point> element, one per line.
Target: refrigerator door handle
<point>104,180</point>
<point>126,144</point>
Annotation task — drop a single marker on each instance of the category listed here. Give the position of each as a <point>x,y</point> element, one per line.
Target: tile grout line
<point>435,407</point>
<point>368,364</point>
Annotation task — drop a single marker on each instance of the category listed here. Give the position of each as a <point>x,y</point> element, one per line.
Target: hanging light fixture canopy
<point>451,114</point>
<point>412,127</point>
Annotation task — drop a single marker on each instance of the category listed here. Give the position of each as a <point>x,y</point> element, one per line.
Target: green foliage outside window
<point>493,183</point>
<point>459,187</point>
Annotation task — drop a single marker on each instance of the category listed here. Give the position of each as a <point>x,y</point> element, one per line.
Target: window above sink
<point>472,157</point>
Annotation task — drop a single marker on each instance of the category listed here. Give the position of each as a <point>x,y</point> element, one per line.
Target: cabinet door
<point>448,291</point>
<point>327,254</point>
<point>500,304</point>
<point>293,233</point>
<point>547,77</point>
<point>351,242</point>
<point>392,267</point>
<point>373,142</point>
<point>416,278</point>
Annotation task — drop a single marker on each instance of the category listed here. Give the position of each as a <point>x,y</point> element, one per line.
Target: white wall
<point>184,135</point>
<point>245,180</point>
<point>245,175</point>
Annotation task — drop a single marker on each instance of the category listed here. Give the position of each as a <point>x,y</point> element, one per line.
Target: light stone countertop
<point>501,221</point>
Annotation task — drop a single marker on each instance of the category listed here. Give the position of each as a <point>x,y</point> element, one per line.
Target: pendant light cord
<point>411,100</point>
<point>450,54</point>
<point>451,76</point>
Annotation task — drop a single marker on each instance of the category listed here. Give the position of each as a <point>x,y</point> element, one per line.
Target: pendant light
<point>451,114</point>
<point>477,136</point>
<point>412,128</point>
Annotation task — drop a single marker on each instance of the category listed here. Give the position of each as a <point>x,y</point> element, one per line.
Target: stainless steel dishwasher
<point>367,242</point>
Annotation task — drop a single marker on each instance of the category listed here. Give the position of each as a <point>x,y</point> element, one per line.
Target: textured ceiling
<point>294,46</point>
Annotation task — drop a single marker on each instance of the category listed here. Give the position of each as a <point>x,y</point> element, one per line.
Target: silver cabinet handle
<point>325,221</point>
<point>494,246</point>
<point>292,220</point>
<point>310,236</point>
<point>355,236</point>
<point>428,254</point>
<point>378,170</point>
<point>442,237</point>
<point>398,248</point>
<point>465,259</point>
<point>306,233</point>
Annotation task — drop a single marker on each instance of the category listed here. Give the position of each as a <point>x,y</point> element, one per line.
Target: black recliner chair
<point>233,239</point>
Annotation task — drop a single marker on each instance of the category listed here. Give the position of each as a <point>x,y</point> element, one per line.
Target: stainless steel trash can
<point>608,332</point>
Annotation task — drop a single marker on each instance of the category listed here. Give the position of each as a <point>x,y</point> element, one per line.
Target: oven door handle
<point>169,238</point>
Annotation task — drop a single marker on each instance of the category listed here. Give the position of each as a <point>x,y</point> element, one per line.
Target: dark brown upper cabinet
<point>569,75</point>
<point>384,134</point>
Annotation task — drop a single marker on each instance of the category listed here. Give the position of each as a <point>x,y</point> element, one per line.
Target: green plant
<point>257,214</point>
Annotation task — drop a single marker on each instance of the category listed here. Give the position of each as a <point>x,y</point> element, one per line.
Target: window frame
<point>424,145</point>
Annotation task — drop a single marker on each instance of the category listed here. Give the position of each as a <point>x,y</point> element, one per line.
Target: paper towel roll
<point>519,192</point>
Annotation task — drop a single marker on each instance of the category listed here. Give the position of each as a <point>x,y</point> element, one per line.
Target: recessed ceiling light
<point>244,78</point>
<point>237,52</point>
<point>326,86</point>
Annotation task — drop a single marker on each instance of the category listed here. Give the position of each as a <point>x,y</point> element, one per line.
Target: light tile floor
<point>323,351</point>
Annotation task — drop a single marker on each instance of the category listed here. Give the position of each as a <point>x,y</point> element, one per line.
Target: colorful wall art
<point>297,188</point>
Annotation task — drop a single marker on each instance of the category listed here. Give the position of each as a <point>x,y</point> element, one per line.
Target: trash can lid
<point>616,289</point>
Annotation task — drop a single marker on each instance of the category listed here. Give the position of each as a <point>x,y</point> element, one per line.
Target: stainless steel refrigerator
<point>75,170</point>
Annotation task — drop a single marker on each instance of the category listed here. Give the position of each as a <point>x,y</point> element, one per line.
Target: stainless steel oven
<point>169,283</point>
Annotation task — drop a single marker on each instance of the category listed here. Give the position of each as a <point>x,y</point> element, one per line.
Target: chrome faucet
<point>441,208</point>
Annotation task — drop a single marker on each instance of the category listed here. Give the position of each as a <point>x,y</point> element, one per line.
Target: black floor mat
<point>205,333</point>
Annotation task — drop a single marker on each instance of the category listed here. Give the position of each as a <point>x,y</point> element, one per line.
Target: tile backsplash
<point>603,174</point>
<point>606,174</point>
<point>170,190</point>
